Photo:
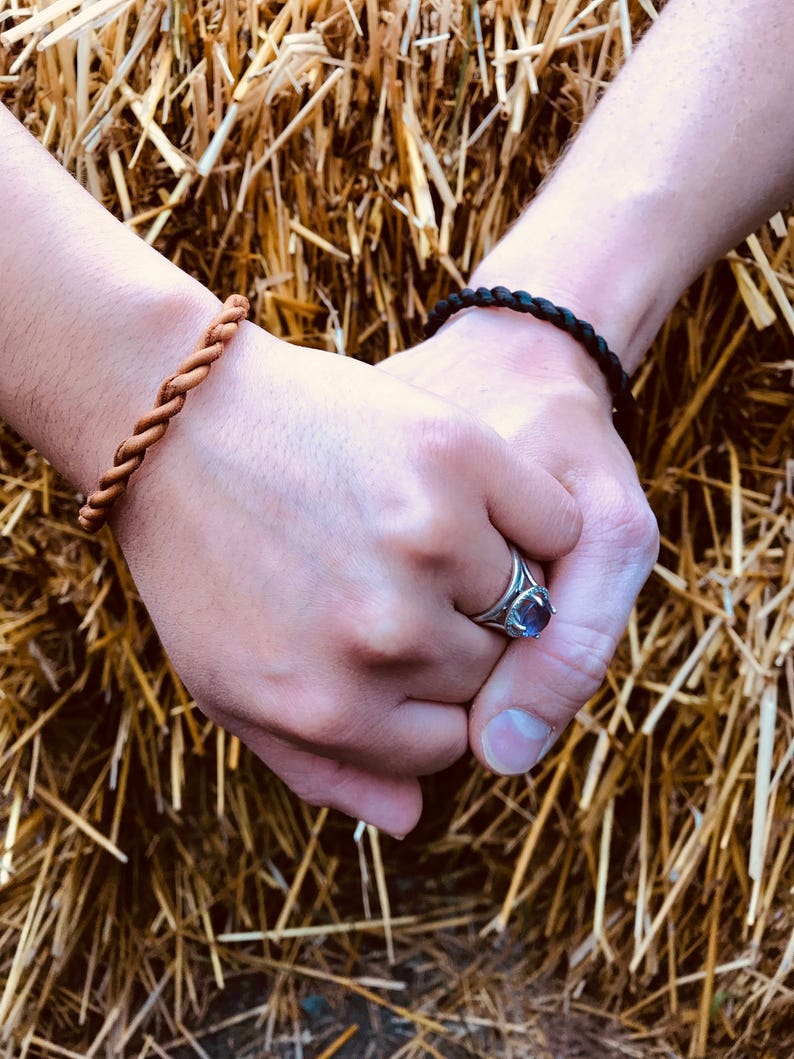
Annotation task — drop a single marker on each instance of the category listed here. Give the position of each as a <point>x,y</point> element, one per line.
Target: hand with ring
<point>310,538</point>
<point>334,530</point>
<point>538,389</point>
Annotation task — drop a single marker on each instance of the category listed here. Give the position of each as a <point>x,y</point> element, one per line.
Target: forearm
<point>91,318</point>
<point>689,151</point>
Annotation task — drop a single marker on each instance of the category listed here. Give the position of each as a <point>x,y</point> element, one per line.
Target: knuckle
<point>420,534</point>
<point>442,438</point>
<point>332,786</point>
<point>320,721</point>
<point>308,791</point>
<point>584,655</point>
<point>643,531</point>
<point>631,523</point>
<point>385,633</point>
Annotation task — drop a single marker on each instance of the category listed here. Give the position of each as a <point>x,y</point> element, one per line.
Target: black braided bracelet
<point>521,302</point>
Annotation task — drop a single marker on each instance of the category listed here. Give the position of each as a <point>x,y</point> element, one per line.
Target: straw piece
<point>775,286</point>
<point>532,51</point>
<point>601,886</point>
<point>39,20</point>
<point>486,85</point>
<point>522,865</point>
<point>7,860</point>
<point>762,313</point>
<point>143,681</point>
<point>383,891</point>
<point>154,133</point>
<point>300,874</point>
<point>681,676</point>
<point>737,545</point>
<point>317,240</point>
<point>763,774</point>
<point>89,16</point>
<point>19,63</point>
<point>341,1040</point>
<point>625,27</point>
<point>43,795</point>
<point>207,161</point>
<point>296,122</point>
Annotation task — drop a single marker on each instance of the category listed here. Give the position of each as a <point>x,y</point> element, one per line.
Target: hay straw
<point>346,163</point>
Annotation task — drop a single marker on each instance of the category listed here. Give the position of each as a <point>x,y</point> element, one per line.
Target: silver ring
<point>524,608</point>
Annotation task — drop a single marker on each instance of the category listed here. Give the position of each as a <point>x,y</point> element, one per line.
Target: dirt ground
<point>327,1013</point>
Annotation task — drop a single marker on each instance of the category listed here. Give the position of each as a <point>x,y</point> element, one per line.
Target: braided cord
<point>168,403</point>
<point>520,301</point>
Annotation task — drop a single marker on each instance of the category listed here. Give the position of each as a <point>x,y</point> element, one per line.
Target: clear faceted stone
<point>533,613</point>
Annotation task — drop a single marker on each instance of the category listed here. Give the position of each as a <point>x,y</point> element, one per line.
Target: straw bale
<point>344,162</point>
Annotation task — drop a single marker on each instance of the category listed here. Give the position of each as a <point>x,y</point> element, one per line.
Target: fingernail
<point>396,835</point>
<point>515,741</point>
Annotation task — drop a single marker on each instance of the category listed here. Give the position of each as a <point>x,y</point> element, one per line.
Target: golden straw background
<point>345,163</point>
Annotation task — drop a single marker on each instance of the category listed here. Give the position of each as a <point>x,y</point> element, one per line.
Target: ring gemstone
<point>530,613</point>
<point>524,608</point>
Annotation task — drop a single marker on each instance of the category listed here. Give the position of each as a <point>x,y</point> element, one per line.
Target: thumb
<point>539,685</point>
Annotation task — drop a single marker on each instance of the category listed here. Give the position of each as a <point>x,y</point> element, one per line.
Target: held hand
<point>537,388</point>
<point>309,539</point>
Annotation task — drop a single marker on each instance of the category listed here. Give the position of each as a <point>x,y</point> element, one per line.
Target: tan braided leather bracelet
<point>169,402</point>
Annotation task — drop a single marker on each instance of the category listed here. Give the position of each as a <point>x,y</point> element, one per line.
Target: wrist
<point>227,416</point>
<point>76,409</point>
<point>156,328</point>
<point>521,349</point>
<point>91,318</point>
<point>608,262</point>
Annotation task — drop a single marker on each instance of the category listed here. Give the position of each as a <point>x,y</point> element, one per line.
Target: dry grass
<point>345,162</point>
